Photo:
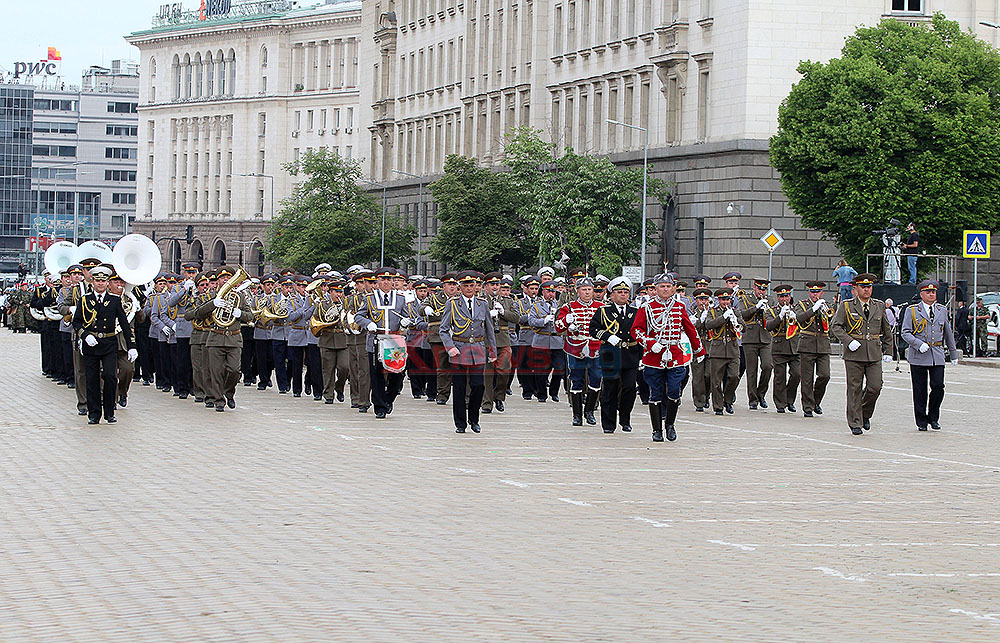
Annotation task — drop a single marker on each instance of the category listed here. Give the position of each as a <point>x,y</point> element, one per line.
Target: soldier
<point>124,366</point>
<point>383,313</point>
<point>521,344</point>
<point>981,315</point>
<point>467,334</point>
<point>333,344</point>
<point>759,320</point>
<point>94,319</point>
<point>180,338</point>
<point>928,332</point>
<point>701,375</point>
<point>360,369</point>
<point>813,317</point>
<point>159,328</point>
<point>546,353</point>
<point>68,302</point>
<point>669,342</point>
<point>433,311</point>
<point>601,284</point>
<point>223,342</point>
<point>281,300</point>
<point>248,356</point>
<point>299,311</point>
<point>65,337</point>
<point>263,343</point>
<point>619,356</point>
<point>784,351</point>
<point>424,354</point>
<point>863,328</point>
<point>44,296</point>
<point>199,335</point>
<point>502,312</point>
<point>416,368</point>
<point>723,329</point>
<point>582,350</point>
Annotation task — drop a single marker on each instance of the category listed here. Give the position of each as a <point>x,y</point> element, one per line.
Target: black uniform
<point>96,315</point>
<point>619,365</point>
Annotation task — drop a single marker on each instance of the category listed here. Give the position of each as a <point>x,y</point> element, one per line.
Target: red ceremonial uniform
<point>666,323</point>
<point>578,343</point>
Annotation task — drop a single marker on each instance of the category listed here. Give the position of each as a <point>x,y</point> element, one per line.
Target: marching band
<point>112,318</point>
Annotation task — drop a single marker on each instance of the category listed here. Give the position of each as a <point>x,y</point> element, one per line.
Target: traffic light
<point>189,234</point>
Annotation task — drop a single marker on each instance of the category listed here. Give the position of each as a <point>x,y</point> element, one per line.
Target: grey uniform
<point>928,325</point>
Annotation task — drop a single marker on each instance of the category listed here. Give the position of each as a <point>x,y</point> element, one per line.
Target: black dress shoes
<point>93,421</point>
<point>807,414</point>
<point>355,406</point>
<point>72,385</point>
<point>380,415</point>
<point>199,400</point>
<point>699,409</point>
<point>935,426</point>
<point>555,398</point>
<point>230,402</point>
<point>123,401</point>
<point>460,429</point>
<point>753,406</point>
<point>791,407</point>
<point>591,420</point>
<point>296,394</point>
<point>867,425</point>
<point>182,396</point>
<point>500,406</point>
<point>609,430</point>
<point>111,420</point>
<point>476,428</point>
<point>818,410</point>
<point>671,433</point>
<point>81,411</point>
<point>441,402</point>
<point>780,410</point>
<point>486,409</point>
<point>577,420</point>
<point>856,431</point>
<point>340,397</point>
<point>317,398</point>
<point>763,404</point>
<point>220,407</point>
<point>657,435</point>
<point>209,404</point>
<point>921,428</point>
<point>363,408</point>
<point>329,402</point>
<point>627,428</point>
<point>718,411</point>
<point>729,409</point>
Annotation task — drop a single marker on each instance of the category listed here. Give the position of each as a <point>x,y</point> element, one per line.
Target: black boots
<point>576,400</point>
<point>656,419</point>
<point>588,409</point>
<point>669,416</point>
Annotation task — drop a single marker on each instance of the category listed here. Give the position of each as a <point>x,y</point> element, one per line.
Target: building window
<point>121,108</point>
<point>261,123</point>
<point>908,6</point>
<point>123,198</point>
<point>53,150</point>
<point>119,130</point>
<point>119,175</point>
<point>297,121</point>
<point>322,119</point>
<point>120,153</point>
<point>260,202</point>
<point>309,120</point>
<point>350,117</point>
<point>54,128</point>
<point>260,161</point>
<point>703,98</point>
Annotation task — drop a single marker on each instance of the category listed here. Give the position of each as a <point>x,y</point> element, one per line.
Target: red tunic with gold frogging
<point>578,343</point>
<point>668,323</point>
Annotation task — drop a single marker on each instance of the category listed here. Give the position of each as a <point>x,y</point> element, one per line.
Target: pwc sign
<point>45,67</point>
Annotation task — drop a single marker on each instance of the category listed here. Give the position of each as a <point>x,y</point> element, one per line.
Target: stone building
<point>226,99</point>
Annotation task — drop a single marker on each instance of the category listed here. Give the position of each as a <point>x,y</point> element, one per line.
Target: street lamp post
<point>380,185</point>
<point>420,215</point>
<point>645,171</point>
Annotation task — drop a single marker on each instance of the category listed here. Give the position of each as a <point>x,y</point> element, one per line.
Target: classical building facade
<point>226,99</point>
<point>704,79</point>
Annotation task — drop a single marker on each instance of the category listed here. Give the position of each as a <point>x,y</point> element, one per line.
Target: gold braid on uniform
<point>853,327</point>
<point>457,317</point>
<point>83,312</point>
<point>610,326</point>
<point>918,326</point>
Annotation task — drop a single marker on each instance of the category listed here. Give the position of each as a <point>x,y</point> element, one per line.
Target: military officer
<point>546,353</point>
<point>124,365</point>
<point>759,321</point>
<point>180,338</point>
<point>262,334</point>
<point>521,344</point>
<point>701,374</point>
<point>95,318</point>
<point>813,317</point>
<point>300,309</point>
<point>223,342</point>
<point>581,349</point>
<point>468,335</point>
<point>722,327</point>
<point>784,351</point>
<point>199,335</point>
<point>360,368</point>
<point>68,302</point>
<point>333,344</point>
<point>433,309</point>
<point>619,356</point>
<point>981,315</point>
<point>383,313</point>
<point>502,312</point>
<point>862,327</point>
<point>928,333</point>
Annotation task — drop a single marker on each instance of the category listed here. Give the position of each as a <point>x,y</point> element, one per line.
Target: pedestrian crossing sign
<point>977,244</point>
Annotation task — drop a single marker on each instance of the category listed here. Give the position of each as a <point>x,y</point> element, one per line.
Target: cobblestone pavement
<point>288,519</point>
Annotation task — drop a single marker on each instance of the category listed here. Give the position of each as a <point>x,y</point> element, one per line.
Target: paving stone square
<point>291,520</point>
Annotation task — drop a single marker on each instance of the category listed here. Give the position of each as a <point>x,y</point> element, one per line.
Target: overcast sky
<point>86,32</point>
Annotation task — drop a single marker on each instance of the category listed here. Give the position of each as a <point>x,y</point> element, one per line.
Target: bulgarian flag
<point>54,54</point>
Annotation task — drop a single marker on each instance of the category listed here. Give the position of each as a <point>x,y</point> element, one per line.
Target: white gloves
<point>570,317</point>
<point>819,304</point>
<point>614,340</point>
<point>133,354</point>
<point>428,310</point>
<point>854,345</point>
<point>90,340</point>
<point>549,319</point>
<point>405,322</point>
<point>657,347</point>
<point>237,313</point>
<point>454,352</point>
<point>494,313</point>
<point>498,307</point>
<point>704,315</point>
<point>166,331</point>
<point>923,348</point>
<point>887,358</point>
<point>219,302</point>
<point>409,295</point>
<point>761,304</point>
<point>729,314</point>
<point>371,327</point>
<point>72,310</point>
<point>188,284</point>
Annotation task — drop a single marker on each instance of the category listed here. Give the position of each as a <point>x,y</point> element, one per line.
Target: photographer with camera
<point>910,250</point>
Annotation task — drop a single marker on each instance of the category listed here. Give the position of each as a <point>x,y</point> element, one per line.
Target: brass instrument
<point>327,315</point>
<point>275,308</point>
<point>130,303</point>
<point>224,316</point>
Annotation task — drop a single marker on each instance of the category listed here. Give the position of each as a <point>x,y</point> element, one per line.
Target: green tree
<point>905,124</point>
<point>480,227</point>
<point>331,218</point>
<point>581,204</point>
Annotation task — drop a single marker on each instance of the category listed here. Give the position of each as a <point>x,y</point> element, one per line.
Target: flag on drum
<point>392,352</point>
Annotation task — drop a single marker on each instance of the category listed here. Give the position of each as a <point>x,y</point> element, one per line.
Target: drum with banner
<point>392,352</point>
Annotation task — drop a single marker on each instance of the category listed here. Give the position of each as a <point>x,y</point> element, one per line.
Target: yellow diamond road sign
<point>772,239</point>
<point>977,244</point>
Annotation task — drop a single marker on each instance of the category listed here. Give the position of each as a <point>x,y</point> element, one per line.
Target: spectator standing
<point>844,274</point>
<point>962,328</point>
<point>982,315</point>
<point>892,314</point>
<point>910,249</point>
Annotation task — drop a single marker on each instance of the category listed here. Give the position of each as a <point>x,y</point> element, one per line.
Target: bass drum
<point>392,352</point>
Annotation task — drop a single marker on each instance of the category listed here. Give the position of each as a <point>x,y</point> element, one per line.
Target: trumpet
<point>224,316</point>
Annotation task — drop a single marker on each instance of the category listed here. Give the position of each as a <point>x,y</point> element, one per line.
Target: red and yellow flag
<point>54,54</point>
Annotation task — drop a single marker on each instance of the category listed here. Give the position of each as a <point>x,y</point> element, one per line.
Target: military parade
<point>112,319</point>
